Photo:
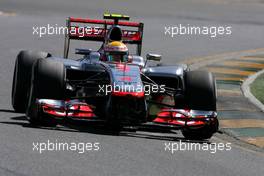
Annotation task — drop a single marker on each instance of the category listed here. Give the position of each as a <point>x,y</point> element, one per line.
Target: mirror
<point>153,57</point>
<point>82,51</point>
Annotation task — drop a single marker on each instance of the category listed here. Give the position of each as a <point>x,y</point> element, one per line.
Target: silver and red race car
<point>128,92</point>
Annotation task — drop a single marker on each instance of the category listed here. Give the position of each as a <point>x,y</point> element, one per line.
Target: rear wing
<point>133,35</point>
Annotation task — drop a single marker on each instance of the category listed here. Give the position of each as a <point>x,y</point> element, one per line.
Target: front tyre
<point>200,91</point>
<point>22,76</point>
<point>203,133</point>
<point>200,94</point>
<point>48,82</point>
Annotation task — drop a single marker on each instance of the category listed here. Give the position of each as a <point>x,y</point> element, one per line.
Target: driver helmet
<point>116,51</point>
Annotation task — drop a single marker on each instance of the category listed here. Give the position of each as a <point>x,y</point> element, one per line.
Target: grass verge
<point>257,88</point>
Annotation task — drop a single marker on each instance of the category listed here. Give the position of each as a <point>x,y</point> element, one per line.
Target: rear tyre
<point>22,76</point>
<point>48,82</point>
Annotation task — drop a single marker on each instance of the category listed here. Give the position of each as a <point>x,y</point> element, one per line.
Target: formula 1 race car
<point>112,85</point>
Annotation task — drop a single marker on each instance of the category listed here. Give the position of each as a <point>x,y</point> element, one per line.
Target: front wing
<point>79,110</point>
